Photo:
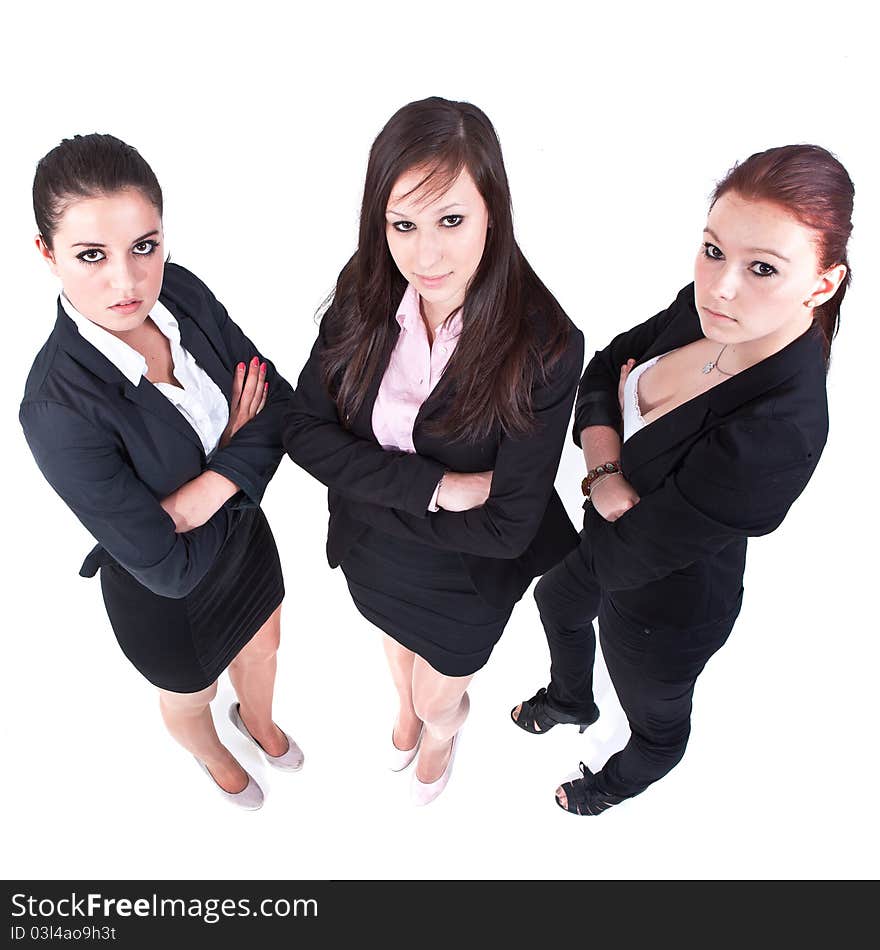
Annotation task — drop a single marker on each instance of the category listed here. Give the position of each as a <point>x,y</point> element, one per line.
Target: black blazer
<point>718,469</point>
<point>522,529</point>
<point>113,450</point>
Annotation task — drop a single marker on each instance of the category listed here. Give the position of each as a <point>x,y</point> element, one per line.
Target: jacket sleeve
<point>738,481</point>
<point>522,480</point>
<point>359,469</point>
<point>597,403</point>
<point>255,451</point>
<point>88,470</point>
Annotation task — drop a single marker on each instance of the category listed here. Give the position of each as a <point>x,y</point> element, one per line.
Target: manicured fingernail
<point>263,368</point>
<point>240,367</point>
<point>266,388</point>
<point>255,360</point>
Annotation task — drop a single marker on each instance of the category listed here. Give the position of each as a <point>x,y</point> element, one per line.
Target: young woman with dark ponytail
<point>434,406</point>
<point>126,413</point>
<point>700,428</point>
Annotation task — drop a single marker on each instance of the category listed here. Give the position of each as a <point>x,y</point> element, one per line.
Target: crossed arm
<point>391,490</point>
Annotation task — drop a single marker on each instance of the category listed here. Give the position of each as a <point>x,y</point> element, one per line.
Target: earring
<point>809,304</point>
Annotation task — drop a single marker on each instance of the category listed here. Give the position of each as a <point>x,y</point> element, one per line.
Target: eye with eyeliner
<point>709,251</point>
<point>83,256</point>
<point>141,249</point>
<point>769,272</point>
<point>447,221</point>
<point>150,246</point>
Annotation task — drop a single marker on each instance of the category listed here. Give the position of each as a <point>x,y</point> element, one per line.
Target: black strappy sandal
<point>583,798</point>
<point>537,716</point>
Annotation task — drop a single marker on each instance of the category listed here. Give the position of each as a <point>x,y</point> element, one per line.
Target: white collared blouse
<point>198,398</point>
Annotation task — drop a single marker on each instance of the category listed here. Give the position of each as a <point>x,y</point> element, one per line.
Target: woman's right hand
<point>461,491</point>
<point>248,397</point>
<point>625,370</point>
<point>612,496</point>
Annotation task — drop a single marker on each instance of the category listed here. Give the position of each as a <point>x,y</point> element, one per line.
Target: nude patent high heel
<point>423,793</point>
<point>399,759</point>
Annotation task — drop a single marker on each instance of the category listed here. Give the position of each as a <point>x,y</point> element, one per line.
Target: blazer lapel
<point>723,399</point>
<point>145,395</point>
<point>195,341</point>
<point>674,426</point>
<point>665,432</point>
<point>202,339</point>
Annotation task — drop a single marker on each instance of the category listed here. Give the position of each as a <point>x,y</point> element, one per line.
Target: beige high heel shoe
<point>289,761</point>
<point>423,793</point>
<point>250,797</point>
<point>399,759</point>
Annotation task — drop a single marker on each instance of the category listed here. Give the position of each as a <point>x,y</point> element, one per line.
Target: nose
<point>124,274</point>
<point>429,252</point>
<point>724,286</point>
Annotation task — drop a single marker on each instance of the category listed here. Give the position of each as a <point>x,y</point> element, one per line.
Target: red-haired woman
<point>699,427</point>
<point>434,406</point>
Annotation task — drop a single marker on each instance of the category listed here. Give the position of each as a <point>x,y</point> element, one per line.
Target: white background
<point>615,125</point>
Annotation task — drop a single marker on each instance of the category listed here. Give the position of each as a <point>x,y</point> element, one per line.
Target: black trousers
<point>653,670</point>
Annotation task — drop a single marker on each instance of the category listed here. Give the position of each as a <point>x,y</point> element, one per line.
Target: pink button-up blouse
<point>414,370</point>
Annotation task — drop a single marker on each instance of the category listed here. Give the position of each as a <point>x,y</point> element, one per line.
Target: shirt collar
<point>165,321</point>
<point>409,315</point>
<point>124,357</point>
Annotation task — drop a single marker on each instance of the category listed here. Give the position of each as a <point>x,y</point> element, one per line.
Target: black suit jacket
<point>112,450</point>
<point>522,529</point>
<point>718,469</point>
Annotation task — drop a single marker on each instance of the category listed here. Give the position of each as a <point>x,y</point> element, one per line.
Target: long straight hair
<point>500,352</point>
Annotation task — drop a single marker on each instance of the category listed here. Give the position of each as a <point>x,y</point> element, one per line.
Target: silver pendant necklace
<point>713,364</point>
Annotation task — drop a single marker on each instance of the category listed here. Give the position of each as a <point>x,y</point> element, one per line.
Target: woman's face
<point>437,241</point>
<point>106,251</point>
<point>757,275</point>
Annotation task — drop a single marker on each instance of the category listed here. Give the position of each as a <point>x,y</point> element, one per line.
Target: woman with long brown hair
<point>434,406</point>
<point>699,427</point>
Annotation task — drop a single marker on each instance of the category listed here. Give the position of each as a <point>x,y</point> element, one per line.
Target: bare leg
<point>252,673</point>
<point>400,662</point>
<point>188,718</point>
<point>442,703</point>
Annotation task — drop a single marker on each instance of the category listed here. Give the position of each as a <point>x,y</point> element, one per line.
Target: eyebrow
<point>99,244</point>
<point>455,204</point>
<point>754,250</point>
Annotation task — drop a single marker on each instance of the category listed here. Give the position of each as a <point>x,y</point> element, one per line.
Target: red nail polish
<point>266,387</point>
<point>240,367</point>
<point>263,368</point>
<point>255,360</point>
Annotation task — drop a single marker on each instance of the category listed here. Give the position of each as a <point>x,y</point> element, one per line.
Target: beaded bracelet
<point>597,474</point>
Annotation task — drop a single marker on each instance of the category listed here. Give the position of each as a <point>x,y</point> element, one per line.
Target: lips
<point>127,306</point>
<point>719,316</point>
<point>433,281</point>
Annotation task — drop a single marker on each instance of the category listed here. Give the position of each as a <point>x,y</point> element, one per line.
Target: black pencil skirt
<point>423,597</point>
<point>184,644</point>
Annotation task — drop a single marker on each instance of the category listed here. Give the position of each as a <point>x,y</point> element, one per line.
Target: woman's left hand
<point>461,491</point>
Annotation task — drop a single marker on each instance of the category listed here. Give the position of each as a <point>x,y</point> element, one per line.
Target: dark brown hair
<point>499,353</point>
<point>84,167</point>
<point>811,185</point>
